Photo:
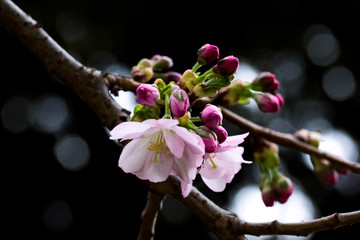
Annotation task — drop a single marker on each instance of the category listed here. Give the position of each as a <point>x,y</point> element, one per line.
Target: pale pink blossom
<point>220,167</point>
<point>159,148</point>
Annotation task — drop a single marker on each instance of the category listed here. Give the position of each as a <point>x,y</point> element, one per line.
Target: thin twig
<point>149,215</point>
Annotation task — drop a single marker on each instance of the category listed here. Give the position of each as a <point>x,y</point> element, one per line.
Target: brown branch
<point>93,87</point>
<point>227,225</point>
<point>90,84</point>
<point>149,215</point>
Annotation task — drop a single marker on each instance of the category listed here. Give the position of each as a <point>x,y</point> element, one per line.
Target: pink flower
<point>208,54</point>
<point>210,143</point>
<point>220,167</point>
<point>160,148</point>
<point>179,101</point>
<point>211,116</point>
<point>146,94</point>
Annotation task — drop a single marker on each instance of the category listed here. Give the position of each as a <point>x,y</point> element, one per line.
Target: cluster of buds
<point>263,89</point>
<point>208,84</point>
<point>274,185</point>
<point>156,67</point>
<point>212,117</point>
<point>328,173</point>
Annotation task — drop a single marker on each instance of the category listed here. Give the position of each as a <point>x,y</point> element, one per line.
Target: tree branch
<point>226,225</point>
<point>93,87</point>
<point>149,215</point>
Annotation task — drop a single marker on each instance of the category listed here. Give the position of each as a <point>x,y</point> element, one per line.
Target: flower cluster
<point>163,138</point>
<point>274,185</point>
<point>326,172</point>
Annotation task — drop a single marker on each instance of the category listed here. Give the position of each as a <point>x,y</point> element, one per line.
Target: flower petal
<point>134,154</point>
<point>156,171</point>
<point>174,143</point>
<point>217,184</point>
<point>125,129</point>
<point>192,141</point>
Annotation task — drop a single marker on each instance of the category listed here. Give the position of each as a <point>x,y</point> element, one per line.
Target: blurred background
<point>60,173</point>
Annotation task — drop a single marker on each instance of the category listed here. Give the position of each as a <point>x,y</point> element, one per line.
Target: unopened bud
<point>210,143</point>
<point>188,80</point>
<point>267,102</point>
<point>171,77</point>
<point>265,82</point>
<point>143,71</point>
<point>161,63</point>
<point>208,54</point>
<point>211,116</point>
<point>310,137</point>
<point>147,94</point>
<point>221,133</point>
<point>283,187</point>
<point>179,101</point>
<point>325,172</point>
<point>226,66</point>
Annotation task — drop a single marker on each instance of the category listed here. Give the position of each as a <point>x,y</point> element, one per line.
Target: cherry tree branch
<point>93,87</point>
<point>149,215</point>
<point>226,225</point>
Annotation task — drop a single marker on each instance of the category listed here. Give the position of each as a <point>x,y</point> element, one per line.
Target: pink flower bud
<point>280,99</point>
<point>284,188</point>
<point>161,63</point>
<point>226,66</point>
<point>265,82</point>
<point>268,196</point>
<point>267,102</point>
<point>325,173</point>
<point>221,133</point>
<point>210,143</point>
<point>179,101</point>
<point>208,54</point>
<point>146,94</point>
<point>211,116</point>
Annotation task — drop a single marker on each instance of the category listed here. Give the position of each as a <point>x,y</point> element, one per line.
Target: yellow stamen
<point>212,161</point>
<point>159,146</point>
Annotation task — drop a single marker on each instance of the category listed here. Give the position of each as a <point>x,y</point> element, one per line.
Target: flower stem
<point>204,76</point>
<point>167,106</point>
<point>195,119</point>
<point>196,67</point>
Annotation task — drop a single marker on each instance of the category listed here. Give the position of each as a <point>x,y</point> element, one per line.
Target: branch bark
<point>93,87</point>
<point>149,215</point>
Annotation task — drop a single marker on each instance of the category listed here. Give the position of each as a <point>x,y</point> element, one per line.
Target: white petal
<point>217,184</point>
<point>156,171</point>
<point>174,143</point>
<point>192,141</point>
<point>125,129</point>
<point>134,155</point>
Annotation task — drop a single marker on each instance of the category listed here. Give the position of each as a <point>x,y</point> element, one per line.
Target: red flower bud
<point>267,102</point>
<point>208,54</point>
<point>226,66</point>
<point>265,82</point>
<point>221,134</point>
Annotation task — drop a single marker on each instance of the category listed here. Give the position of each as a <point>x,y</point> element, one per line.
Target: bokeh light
<point>339,83</point>
<point>321,45</point>
<point>246,202</point>
<point>72,152</point>
<point>50,113</point>
<point>15,114</point>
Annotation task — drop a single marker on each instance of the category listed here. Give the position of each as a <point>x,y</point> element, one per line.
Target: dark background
<point>100,200</point>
